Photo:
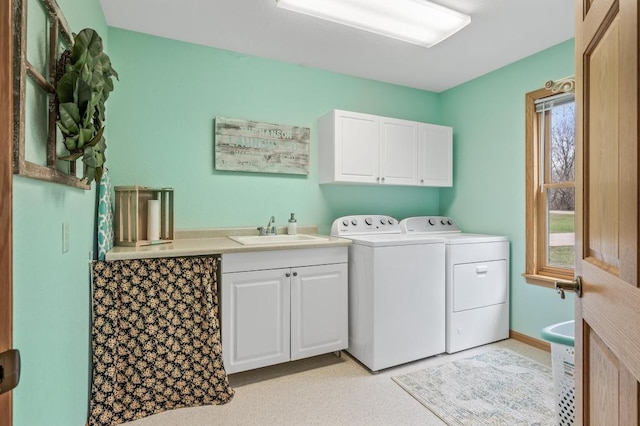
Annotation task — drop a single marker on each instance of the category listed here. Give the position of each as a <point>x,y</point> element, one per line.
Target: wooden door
<point>608,314</point>
<point>6,176</point>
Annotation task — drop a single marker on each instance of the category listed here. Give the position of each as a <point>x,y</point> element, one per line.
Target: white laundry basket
<point>561,336</point>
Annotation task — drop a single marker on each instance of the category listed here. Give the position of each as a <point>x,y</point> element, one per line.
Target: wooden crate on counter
<point>131,215</point>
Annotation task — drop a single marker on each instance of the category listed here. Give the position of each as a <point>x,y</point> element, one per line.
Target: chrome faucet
<point>270,229</point>
<point>271,226</point>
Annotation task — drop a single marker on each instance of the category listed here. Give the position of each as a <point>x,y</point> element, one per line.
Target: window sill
<point>544,280</point>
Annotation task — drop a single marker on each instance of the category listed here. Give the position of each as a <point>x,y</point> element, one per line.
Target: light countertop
<point>199,242</point>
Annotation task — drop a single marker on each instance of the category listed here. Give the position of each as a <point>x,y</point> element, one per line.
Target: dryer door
<point>479,284</point>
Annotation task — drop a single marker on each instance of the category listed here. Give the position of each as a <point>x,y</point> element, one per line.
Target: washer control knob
<point>390,221</point>
<point>345,222</point>
<point>354,222</point>
<point>368,221</point>
<point>432,221</point>
<point>449,222</point>
<point>444,222</point>
<point>382,221</point>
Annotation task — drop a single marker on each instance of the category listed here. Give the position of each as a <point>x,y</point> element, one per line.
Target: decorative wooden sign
<point>251,146</point>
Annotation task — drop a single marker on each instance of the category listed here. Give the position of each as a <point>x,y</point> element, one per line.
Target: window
<point>550,180</point>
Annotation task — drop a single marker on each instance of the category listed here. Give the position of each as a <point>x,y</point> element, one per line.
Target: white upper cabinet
<point>369,149</point>
<point>435,155</point>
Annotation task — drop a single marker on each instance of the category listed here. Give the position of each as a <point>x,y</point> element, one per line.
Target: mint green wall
<point>164,108</point>
<point>488,195</point>
<point>51,289</point>
<point>160,133</point>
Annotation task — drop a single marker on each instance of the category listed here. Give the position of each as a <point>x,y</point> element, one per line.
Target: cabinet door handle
<point>295,274</point>
<point>287,275</point>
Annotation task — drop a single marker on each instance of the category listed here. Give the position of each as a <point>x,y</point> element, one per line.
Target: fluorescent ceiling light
<point>415,21</point>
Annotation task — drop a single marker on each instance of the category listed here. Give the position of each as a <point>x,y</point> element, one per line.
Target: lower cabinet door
<point>255,319</point>
<point>319,322</point>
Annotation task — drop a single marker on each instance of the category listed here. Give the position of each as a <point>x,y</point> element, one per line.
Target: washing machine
<point>396,292</point>
<point>477,281</point>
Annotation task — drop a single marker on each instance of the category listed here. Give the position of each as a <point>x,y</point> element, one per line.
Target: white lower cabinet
<point>255,319</point>
<point>318,310</point>
<point>278,314</point>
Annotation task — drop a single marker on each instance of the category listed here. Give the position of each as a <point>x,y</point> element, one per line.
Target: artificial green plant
<point>81,95</point>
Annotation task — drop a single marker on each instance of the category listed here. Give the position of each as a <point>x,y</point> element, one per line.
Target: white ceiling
<point>501,32</point>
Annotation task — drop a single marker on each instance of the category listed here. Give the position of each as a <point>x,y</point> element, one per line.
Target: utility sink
<point>277,239</point>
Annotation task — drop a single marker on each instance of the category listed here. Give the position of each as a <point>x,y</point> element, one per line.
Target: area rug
<point>498,387</point>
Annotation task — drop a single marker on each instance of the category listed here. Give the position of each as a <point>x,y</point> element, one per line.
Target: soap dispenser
<point>292,227</point>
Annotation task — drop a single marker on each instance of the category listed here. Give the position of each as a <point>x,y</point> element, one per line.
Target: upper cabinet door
<point>398,151</point>
<point>357,137</point>
<point>435,155</point>
<point>348,147</point>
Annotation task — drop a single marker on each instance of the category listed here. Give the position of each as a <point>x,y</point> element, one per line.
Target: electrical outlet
<point>65,237</point>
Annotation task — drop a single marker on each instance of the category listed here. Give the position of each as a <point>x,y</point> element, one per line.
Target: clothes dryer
<point>396,292</point>
<point>477,281</point>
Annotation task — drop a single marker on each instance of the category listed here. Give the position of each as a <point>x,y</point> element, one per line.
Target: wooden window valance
<point>57,35</point>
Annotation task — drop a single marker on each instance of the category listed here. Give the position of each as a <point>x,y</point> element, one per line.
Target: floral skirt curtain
<point>155,338</point>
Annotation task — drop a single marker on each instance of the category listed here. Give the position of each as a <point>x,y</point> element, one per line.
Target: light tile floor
<point>323,390</point>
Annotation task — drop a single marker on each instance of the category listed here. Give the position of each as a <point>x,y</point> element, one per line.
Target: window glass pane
<point>562,144</point>
<point>561,227</point>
